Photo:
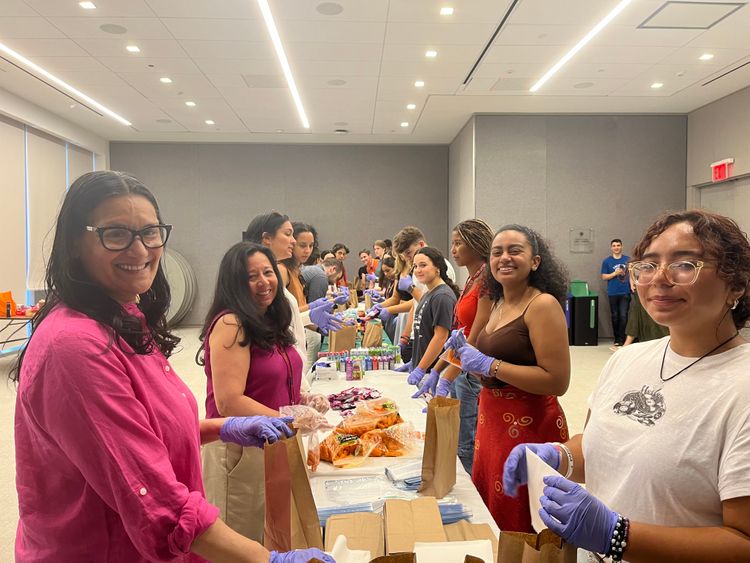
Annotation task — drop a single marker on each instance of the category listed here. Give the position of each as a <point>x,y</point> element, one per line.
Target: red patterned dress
<point>508,417</point>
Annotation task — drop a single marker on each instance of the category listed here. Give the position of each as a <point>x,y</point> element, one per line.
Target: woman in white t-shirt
<point>665,453</point>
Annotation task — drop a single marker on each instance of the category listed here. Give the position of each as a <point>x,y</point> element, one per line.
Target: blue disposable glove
<point>300,556</point>
<point>255,431</point>
<point>406,368</point>
<point>429,384</point>
<point>473,361</point>
<point>322,302</point>
<point>443,387</point>
<point>455,340</point>
<point>325,320</point>
<point>514,471</point>
<point>342,297</point>
<point>576,515</point>
<point>406,283</point>
<point>371,277</point>
<point>415,375</point>
<point>384,315</point>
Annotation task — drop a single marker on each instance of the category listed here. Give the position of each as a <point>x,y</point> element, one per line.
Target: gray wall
<point>610,173</point>
<point>461,183</point>
<point>352,194</point>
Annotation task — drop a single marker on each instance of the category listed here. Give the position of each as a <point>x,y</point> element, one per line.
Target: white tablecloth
<point>393,385</point>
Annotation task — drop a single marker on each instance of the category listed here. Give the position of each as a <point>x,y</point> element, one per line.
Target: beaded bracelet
<point>563,448</point>
<point>619,540</point>
<point>497,368</point>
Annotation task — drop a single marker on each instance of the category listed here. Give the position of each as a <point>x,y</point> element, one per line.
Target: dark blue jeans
<point>618,307</point>
<point>466,389</point>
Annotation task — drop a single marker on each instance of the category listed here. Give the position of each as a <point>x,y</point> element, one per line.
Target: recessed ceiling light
<point>209,122</point>
<point>279,130</point>
<point>657,85</point>
<point>419,84</point>
<point>64,85</point>
<point>706,57</point>
<point>581,44</point>
<point>446,11</point>
<point>404,124</point>
<point>87,5</point>
<point>431,54</point>
<point>411,106</point>
<point>340,131</point>
<point>113,28</point>
<point>190,104</point>
<point>165,80</point>
<point>133,49</point>
<point>329,8</point>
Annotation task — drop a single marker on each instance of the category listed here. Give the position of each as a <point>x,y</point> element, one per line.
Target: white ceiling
<point>356,70</point>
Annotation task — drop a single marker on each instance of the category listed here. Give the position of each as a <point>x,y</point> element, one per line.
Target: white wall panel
<point>13,223</point>
<point>80,161</point>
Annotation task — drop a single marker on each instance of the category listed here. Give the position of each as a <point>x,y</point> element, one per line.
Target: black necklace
<point>661,369</point>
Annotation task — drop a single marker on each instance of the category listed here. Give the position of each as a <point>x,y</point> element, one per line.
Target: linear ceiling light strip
<point>581,44</point>
<point>274,33</point>
<point>490,42</point>
<point>62,84</point>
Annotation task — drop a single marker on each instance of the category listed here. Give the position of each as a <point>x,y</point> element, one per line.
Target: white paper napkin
<point>536,470</point>
<point>452,551</point>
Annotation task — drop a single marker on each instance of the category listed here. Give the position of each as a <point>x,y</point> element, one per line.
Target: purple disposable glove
<point>255,431</point>
<point>371,277</point>
<point>384,314</point>
<point>300,556</point>
<point>576,515</point>
<point>514,471</point>
<point>415,375</point>
<point>428,384</point>
<point>324,319</point>
<point>443,387</point>
<point>473,361</point>
<point>406,283</point>
<point>322,302</point>
<point>342,296</point>
<point>374,311</point>
<point>406,368</point>
<point>455,340</point>
<point>375,295</point>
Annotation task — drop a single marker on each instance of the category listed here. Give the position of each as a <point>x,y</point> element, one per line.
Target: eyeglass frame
<point>697,264</point>
<point>133,233</point>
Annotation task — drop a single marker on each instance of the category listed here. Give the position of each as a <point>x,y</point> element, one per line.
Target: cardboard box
<point>363,530</point>
<point>463,531</point>
<point>407,521</point>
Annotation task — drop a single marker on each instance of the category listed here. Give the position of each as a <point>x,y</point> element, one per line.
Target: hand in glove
<point>406,368</point>
<point>428,385</point>
<point>514,471</point>
<point>324,319</point>
<point>300,556</point>
<point>406,283</point>
<point>443,387</point>
<point>371,277</point>
<point>254,431</point>
<point>384,314</point>
<point>576,515</point>
<point>455,340</point>
<point>415,375</point>
<point>323,301</point>
<point>342,297</point>
<point>375,296</point>
<point>315,400</point>
<point>473,361</point>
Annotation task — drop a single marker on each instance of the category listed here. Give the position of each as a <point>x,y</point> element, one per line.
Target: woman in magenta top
<point>107,435</point>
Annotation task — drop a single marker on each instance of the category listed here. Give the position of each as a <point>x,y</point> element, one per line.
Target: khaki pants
<point>234,478</point>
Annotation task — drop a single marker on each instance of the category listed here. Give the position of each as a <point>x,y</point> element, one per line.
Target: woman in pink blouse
<point>107,435</point>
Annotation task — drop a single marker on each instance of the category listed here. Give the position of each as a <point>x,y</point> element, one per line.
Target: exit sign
<point>721,170</point>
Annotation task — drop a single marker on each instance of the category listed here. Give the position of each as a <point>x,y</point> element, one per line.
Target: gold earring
<point>736,302</point>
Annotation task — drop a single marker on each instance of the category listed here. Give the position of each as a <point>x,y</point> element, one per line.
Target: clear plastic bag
<point>371,415</point>
<point>308,422</point>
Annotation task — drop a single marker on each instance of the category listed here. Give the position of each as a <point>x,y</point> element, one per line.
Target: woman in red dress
<point>523,361</point>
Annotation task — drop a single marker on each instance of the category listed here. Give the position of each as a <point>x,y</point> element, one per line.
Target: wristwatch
<point>411,288</point>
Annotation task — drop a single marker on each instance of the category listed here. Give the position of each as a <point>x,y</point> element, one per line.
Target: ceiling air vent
<point>690,15</point>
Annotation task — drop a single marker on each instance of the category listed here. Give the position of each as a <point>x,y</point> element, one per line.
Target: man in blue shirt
<point>615,273</point>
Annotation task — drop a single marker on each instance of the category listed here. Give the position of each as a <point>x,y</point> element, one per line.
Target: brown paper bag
<point>291,516</point>
<point>353,299</point>
<point>368,302</point>
<point>440,447</point>
<point>373,334</point>
<point>343,339</point>
<point>547,547</point>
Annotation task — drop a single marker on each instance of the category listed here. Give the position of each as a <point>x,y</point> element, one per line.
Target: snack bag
<point>369,415</point>
<point>308,421</point>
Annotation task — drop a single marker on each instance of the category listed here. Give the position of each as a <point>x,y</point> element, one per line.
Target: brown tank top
<point>510,343</point>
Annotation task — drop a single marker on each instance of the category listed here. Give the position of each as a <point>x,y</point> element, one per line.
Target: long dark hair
<point>299,228</point>
<point>267,223</point>
<point>68,283</point>
<point>437,259</point>
<point>233,295</point>
<point>550,277</point>
<point>389,261</point>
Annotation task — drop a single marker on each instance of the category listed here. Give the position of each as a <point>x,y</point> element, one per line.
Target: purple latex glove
<point>473,361</point>
<point>300,556</point>
<point>406,368</point>
<point>255,431</point>
<point>342,297</point>
<point>384,315</point>
<point>415,375</point>
<point>455,340</point>
<point>325,320</point>
<point>322,302</point>
<point>373,311</point>
<point>371,277</point>
<point>406,283</point>
<point>375,295</point>
<point>443,387</point>
<point>429,384</point>
<point>576,515</point>
<point>514,471</point>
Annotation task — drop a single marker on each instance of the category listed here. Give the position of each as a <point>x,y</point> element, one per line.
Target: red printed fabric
<point>508,417</point>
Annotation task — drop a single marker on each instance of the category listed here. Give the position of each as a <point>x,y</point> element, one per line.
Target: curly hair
<point>550,277</point>
<point>722,240</point>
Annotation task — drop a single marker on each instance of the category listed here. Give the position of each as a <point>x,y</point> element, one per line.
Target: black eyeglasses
<point>120,238</point>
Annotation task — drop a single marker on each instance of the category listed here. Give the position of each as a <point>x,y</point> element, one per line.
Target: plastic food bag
<point>371,415</point>
<point>308,421</point>
<point>345,450</point>
<point>390,442</point>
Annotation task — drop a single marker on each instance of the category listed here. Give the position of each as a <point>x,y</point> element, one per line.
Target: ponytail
<point>439,262</point>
